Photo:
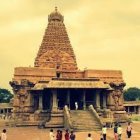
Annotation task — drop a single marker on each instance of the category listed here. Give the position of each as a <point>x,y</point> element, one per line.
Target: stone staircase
<point>84,121</point>
<point>56,120</point>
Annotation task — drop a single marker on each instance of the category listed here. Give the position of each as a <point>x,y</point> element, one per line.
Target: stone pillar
<point>138,109</point>
<point>135,110</point>
<point>3,111</point>
<point>54,105</point>
<point>128,109</point>
<point>40,107</point>
<point>104,100</point>
<point>84,99</point>
<point>98,99</point>
<point>68,98</point>
<point>6,110</point>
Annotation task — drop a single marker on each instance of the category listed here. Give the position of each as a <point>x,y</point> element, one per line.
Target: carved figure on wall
<point>116,94</point>
<point>21,98</point>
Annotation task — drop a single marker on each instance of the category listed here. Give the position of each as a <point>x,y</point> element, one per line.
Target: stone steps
<point>56,121</point>
<point>84,120</point>
<point>55,126</point>
<point>83,124</point>
<point>34,123</point>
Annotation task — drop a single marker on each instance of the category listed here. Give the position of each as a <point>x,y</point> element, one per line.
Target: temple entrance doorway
<point>90,97</point>
<point>61,98</point>
<point>76,96</point>
<point>35,102</point>
<point>47,100</point>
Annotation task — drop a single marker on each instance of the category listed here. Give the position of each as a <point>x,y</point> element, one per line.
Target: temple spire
<point>55,8</point>
<point>55,50</point>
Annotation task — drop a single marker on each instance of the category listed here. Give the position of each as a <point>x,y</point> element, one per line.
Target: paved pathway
<point>33,133</point>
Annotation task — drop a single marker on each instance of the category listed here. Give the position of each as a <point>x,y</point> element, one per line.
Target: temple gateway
<point>48,91</point>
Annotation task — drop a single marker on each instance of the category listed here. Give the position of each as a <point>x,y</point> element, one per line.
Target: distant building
<point>6,108</point>
<point>132,107</point>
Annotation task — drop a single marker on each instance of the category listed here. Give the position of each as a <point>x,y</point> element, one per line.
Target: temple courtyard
<point>33,133</point>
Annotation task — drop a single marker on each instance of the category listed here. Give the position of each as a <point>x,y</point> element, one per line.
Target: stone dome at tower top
<point>55,16</point>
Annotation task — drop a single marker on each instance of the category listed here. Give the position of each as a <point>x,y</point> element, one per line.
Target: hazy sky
<point>105,34</point>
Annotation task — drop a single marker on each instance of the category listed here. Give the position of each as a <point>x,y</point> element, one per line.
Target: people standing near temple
<point>51,135</point>
<point>3,135</point>
<point>104,132</point>
<point>61,135</point>
<point>89,137</point>
<point>76,106</point>
<point>129,130</point>
<point>67,137</point>
<point>58,135</point>
<point>119,131</point>
<point>115,131</point>
<point>72,136</point>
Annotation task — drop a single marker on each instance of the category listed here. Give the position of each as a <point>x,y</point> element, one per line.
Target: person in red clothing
<point>67,137</point>
<point>58,135</point>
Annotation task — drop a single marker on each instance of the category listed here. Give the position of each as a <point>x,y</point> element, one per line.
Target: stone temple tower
<point>55,50</point>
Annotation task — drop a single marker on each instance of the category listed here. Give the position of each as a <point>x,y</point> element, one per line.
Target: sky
<point>105,34</point>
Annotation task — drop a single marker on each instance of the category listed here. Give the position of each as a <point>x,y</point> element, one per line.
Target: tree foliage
<point>5,95</point>
<point>132,94</point>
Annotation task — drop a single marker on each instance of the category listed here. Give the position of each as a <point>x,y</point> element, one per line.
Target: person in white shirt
<point>76,106</point>
<point>51,135</point>
<point>3,135</point>
<point>119,131</point>
<point>129,130</point>
<point>104,132</point>
<point>89,137</point>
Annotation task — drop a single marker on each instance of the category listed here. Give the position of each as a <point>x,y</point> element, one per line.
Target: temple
<point>48,91</point>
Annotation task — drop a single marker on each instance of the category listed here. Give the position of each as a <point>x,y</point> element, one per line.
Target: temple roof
<point>55,16</point>
<point>87,84</point>
<point>5,105</point>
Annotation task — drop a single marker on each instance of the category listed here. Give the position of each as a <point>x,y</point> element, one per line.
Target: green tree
<point>5,95</point>
<point>132,94</point>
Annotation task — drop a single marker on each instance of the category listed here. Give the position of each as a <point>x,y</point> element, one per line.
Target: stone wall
<point>105,75</point>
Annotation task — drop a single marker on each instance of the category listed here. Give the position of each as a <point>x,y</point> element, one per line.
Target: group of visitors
<point>117,131</point>
<point>67,135</point>
<point>59,135</point>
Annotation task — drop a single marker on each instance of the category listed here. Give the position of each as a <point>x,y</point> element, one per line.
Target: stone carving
<point>117,95</point>
<point>55,58</point>
<point>21,94</point>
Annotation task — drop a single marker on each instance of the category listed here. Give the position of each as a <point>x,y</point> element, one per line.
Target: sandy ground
<point>33,133</point>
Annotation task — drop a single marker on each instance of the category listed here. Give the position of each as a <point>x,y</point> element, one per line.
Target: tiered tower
<point>55,50</point>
